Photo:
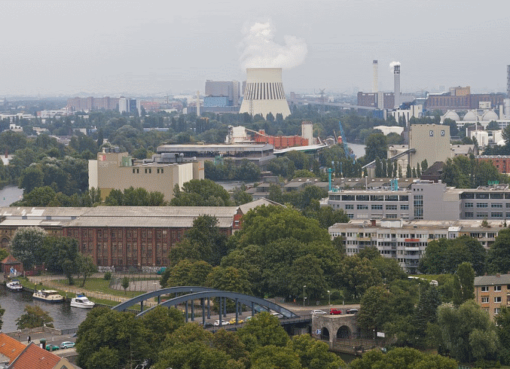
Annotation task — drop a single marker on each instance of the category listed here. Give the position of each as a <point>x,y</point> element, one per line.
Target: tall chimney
<point>375,82</point>
<point>508,80</point>
<point>396,73</point>
<point>198,103</point>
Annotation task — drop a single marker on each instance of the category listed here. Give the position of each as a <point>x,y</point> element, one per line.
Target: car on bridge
<point>335,311</point>
<point>318,312</point>
<point>352,311</point>
<point>223,322</point>
<point>233,321</point>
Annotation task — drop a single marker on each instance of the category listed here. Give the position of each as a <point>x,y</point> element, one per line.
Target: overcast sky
<point>139,47</point>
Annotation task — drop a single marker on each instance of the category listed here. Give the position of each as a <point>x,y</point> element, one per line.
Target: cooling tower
<point>264,93</point>
<point>375,81</point>
<point>396,72</point>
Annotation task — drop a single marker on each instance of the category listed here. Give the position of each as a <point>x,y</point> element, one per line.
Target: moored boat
<point>14,286</point>
<point>48,296</point>
<point>82,302</point>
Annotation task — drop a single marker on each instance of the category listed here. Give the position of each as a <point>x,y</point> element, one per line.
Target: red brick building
<point>120,236</point>
<point>501,162</point>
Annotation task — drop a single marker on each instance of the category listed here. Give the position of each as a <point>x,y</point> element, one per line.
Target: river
<point>10,194</point>
<point>64,316</point>
<point>357,149</point>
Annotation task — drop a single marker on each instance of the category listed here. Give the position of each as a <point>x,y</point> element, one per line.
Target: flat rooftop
<point>451,225</point>
<point>219,148</point>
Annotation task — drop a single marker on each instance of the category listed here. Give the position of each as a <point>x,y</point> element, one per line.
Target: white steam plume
<point>259,50</point>
<point>393,64</point>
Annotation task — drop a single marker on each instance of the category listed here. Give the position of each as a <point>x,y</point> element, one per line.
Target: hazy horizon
<point>155,47</point>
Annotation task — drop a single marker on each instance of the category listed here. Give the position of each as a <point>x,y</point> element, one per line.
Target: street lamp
<point>329,297</point>
<point>304,295</point>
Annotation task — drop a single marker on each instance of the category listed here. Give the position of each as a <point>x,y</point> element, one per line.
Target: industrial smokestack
<point>396,73</point>
<point>264,93</point>
<point>508,80</point>
<point>375,82</point>
<point>198,103</point>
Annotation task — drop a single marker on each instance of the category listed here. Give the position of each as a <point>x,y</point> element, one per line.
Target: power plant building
<point>221,93</point>
<point>264,93</point>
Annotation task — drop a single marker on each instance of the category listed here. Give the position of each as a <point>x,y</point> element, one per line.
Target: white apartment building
<point>406,241</point>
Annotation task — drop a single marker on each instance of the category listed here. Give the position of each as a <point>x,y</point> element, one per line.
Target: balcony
<point>411,248</point>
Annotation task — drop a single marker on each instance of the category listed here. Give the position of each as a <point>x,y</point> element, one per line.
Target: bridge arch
<point>193,293</point>
<point>324,334</point>
<point>343,332</point>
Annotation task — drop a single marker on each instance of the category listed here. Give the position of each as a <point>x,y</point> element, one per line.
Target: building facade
<point>92,103</point>
<point>119,236</point>
<point>406,241</point>
<point>117,170</point>
<point>492,292</point>
<point>431,142</point>
<point>501,162</point>
<point>424,200</point>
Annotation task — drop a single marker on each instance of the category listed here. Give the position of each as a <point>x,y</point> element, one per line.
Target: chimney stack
<point>396,73</point>
<point>375,81</point>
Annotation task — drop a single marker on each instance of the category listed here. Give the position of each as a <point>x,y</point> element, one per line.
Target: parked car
<point>52,347</point>
<point>318,312</point>
<point>248,318</point>
<point>223,322</point>
<point>66,345</point>
<point>352,311</point>
<point>278,315</point>
<point>207,324</point>
<point>335,311</point>
<point>233,321</point>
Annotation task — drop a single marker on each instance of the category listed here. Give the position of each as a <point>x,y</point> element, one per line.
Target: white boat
<point>15,286</point>
<point>48,296</point>
<point>83,302</point>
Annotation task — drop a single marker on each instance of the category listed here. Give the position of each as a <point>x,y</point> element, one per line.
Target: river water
<point>10,194</point>
<point>64,316</point>
<point>357,149</point>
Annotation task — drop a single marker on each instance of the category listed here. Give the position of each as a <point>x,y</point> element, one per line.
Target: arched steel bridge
<point>186,294</point>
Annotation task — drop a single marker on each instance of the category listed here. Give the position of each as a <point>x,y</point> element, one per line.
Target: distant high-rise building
<point>508,80</point>
<point>375,81</point>
<point>221,93</point>
<point>92,103</point>
<point>127,105</point>
<point>396,73</point>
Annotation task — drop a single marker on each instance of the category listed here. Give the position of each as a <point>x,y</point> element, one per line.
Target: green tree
<point>186,273</point>
<point>3,254</point>
<point>229,343</point>
<point>464,280</point>
<point>498,260</point>
<point>241,197</point>
<point>263,330</point>
<point>204,241</point>
<point>190,346</point>
<point>374,308</point>
<point>467,332</point>
<point>357,275</point>
<point>424,165</point>
<point>121,332</point>
<point>34,317</point>
<point>125,284</point>
<point>39,196</point>
<point>376,146</point>
<point>408,171</point>
<point>274,357</point>
<point>85,267</point>
<point>403,358</point>
<point>104,358</point>
<point>314,354</point>
<point>2,311</point>
<point>426,312</point>
<point>503,331</point>
<point>200,193</point>
<point>61,256</point>
<point>307,271</point>
<point>229,279</point>
<point>161,322</point>
<point>31,178</point>
<point>27,246</point>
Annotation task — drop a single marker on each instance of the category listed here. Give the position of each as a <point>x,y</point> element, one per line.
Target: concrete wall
<point>431,142</point>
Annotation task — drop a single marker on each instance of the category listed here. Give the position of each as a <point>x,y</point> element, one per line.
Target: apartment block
<point>406,241</point>
<point>492,292</point>
<point>424,200</point>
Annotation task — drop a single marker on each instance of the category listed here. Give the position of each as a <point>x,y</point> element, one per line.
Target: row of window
<point>369,197</point>
<point>486,205</point>
<point>147,170</point>
<point>496,288</point>
<point>483,195</point>
<point>481,215</point>
<point>497,300</point>
<point>376,207</point>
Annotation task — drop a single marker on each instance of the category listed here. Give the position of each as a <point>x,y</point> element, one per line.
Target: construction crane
<point>344,143</point>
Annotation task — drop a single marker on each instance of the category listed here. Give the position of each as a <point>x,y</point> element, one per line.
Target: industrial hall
<point>121,236</point>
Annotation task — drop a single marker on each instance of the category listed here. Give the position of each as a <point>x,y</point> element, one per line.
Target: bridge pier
<point>186,308</point>
<point>208,308</point>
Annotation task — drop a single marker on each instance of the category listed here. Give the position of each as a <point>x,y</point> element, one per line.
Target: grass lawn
<point>101,285</point>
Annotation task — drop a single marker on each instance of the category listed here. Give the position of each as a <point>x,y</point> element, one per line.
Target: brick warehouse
<point>120,236</point>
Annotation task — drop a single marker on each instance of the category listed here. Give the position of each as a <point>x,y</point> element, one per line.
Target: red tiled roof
<point>35,357</point>
<point>10,347</point>
<point>10,260</point>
